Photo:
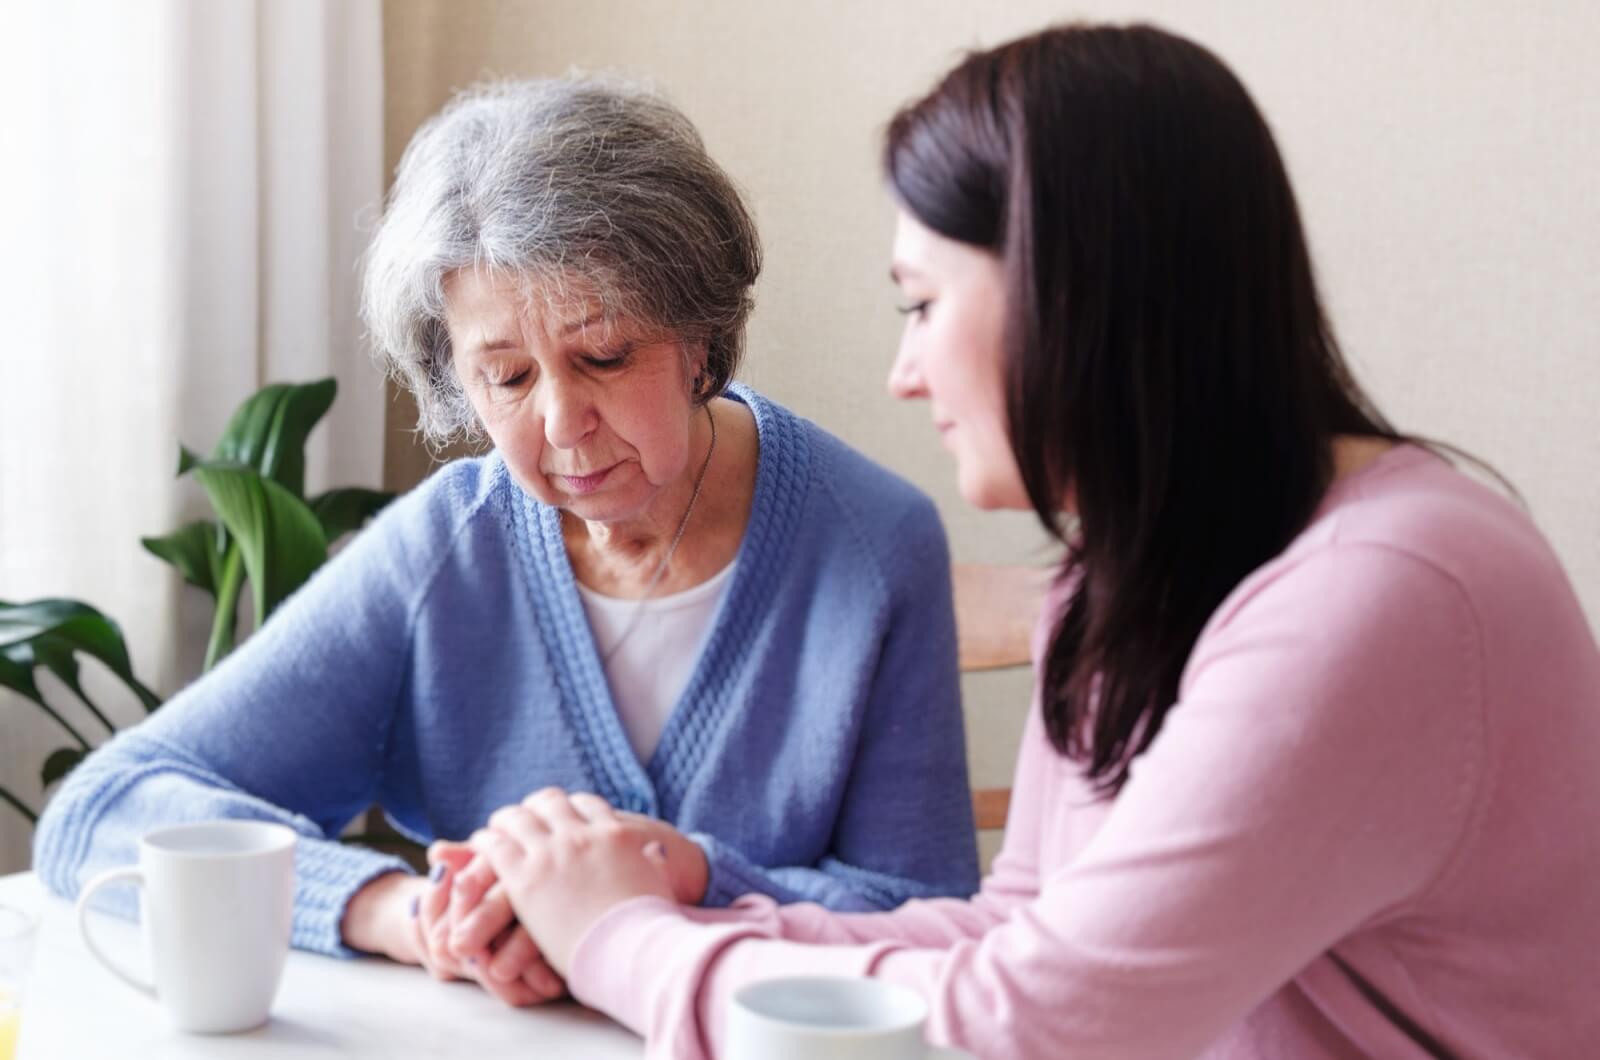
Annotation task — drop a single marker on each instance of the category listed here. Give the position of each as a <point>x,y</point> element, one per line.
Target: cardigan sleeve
<point>1322,768</point>
<point>290,727</point>
<point>905,827</point>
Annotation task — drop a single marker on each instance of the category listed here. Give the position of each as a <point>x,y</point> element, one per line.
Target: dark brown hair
<point>1171,375</point>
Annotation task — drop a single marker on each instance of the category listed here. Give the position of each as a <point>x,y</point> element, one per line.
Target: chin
<point>991,496</point>
<point>990,489</point>
<point>599,509</point>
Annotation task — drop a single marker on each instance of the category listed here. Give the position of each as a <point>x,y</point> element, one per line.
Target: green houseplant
<point>267,535</point>
<point>51,634</point>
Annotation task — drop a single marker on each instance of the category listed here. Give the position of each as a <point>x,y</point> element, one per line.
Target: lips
<point>580,484</point>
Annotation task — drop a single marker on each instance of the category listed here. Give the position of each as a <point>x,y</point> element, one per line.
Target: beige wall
<point>1444,154</point>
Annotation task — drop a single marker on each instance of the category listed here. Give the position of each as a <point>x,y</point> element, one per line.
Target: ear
<point>695,357</point>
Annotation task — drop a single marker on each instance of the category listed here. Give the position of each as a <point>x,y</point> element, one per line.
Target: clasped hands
<point>508,906</point>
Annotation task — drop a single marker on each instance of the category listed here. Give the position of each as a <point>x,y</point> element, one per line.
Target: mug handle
<point>129,874</point>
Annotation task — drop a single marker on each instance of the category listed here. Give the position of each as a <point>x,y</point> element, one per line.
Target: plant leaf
<point>56,655</point>
<point>17,673</point>
<point>59,764</point>
<point>194,550</point>
<point>342,510</point>
<point>71,626</point>
<point>277,533</point>
<point>19,622</point>
<point>226,613</point>
<point>268,432</point>
<point>96,633</point>
<point>18,805</point>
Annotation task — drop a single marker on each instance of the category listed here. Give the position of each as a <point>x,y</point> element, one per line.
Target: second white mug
<point>217,906</point>
<point>841,1019</point>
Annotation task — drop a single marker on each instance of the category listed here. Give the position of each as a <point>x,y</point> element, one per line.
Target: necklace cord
<point>666,560</point>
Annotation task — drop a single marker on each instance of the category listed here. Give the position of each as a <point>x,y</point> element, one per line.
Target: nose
<point>905,376</point>
<point>569,415</point>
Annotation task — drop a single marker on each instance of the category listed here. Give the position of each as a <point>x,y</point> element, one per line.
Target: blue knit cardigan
<point>442,666</point>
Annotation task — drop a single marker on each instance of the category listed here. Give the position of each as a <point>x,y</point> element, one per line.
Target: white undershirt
<point>649,672</point>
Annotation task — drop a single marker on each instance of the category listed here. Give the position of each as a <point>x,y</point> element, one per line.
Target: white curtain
<point>183,195</point>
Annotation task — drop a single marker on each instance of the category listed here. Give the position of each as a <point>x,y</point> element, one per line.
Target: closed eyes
<point>506,382</point>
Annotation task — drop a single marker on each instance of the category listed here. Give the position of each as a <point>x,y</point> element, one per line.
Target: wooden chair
<point>996,607</point>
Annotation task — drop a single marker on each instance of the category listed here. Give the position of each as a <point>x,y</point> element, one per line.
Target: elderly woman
<point>660,587</point>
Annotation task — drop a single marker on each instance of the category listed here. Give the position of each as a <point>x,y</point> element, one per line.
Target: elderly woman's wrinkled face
<point>589,418</point>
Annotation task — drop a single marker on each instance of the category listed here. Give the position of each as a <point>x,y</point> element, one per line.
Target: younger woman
<point>1314,760</point>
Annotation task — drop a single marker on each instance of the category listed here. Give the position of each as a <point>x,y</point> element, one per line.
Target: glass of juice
<point>19,930</point>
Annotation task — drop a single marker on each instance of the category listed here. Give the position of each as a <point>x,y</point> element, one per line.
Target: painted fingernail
<point>416,904</point>
<point>438,873</point>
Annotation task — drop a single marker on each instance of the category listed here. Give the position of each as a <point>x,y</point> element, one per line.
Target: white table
<point>76,1010</point>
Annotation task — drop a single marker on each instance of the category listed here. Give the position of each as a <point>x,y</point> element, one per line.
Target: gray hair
<point>579,180</point>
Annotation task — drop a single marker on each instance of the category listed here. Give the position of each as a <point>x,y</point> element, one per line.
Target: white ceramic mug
<point>217,901</point>
<point>841,1019</point>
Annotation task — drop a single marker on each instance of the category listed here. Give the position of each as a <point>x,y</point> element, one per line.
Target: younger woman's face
<point>951,355</point>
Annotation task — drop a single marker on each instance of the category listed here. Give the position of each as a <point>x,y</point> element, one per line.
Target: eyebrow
<point>899,272</point>
<point>483,346</point>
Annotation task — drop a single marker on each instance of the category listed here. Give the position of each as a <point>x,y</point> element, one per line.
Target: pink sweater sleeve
<point>1319,772</point>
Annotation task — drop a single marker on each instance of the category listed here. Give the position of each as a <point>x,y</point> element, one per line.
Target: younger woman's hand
<point>566,861</point>
<point>687,867</point>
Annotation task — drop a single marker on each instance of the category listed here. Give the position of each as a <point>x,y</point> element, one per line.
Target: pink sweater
<point>1368,829</point>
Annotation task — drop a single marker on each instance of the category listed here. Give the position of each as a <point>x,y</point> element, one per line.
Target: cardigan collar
<point>657,787</point>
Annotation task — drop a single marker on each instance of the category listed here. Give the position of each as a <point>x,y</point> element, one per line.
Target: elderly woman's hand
<point>407,919</point>
<point>474,931</point>
<point>565,861</point>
